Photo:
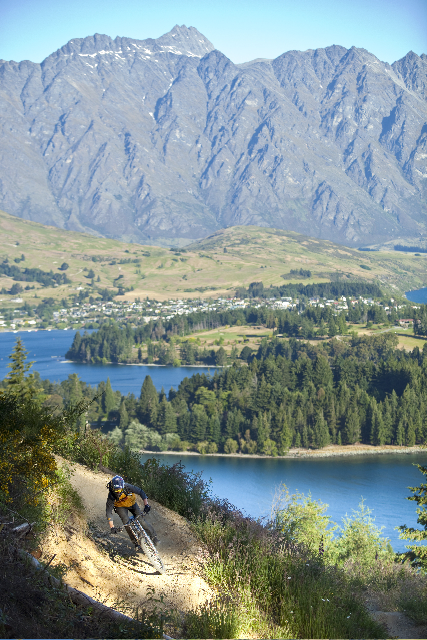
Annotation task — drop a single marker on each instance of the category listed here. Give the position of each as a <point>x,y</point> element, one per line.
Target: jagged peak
<point>188,38</point>
<point>180,40</point>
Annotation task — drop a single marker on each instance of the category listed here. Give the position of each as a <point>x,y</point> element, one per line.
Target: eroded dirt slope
<point>101,564</point>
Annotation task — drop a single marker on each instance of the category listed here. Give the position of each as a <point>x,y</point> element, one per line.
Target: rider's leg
<point>123,514</point>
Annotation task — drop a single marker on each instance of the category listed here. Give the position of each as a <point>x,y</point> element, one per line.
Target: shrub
<point>360,539</point>
<point>202,447</point>
<point>183,492</point>
<point>28,437</point>
<point>302,520</point>
<point>230,446</point>
<point>269,448</point>
<point>298,593</point>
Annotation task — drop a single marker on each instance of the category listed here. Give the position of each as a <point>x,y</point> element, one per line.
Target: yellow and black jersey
<point>126,499</point>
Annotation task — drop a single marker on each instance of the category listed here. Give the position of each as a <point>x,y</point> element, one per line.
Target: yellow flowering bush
<point>28,435</point>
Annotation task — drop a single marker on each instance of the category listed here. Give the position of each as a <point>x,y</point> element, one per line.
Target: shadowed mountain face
<point>165,141</point>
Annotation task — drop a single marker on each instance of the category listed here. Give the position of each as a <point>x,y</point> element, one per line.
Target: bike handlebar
<point>119,529</point>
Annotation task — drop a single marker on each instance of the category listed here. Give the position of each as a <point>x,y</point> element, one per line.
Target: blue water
<point>418,295</point>
<point>48,349</point>
<point>382,480</point>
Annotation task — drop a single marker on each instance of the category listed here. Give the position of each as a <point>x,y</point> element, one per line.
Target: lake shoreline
<point>143,364</point>
<point>301,454</point>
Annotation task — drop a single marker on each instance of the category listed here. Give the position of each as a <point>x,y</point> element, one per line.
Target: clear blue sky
<point>241,29</point>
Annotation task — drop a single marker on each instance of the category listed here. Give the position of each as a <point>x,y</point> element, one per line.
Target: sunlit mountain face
<point>166,140</point>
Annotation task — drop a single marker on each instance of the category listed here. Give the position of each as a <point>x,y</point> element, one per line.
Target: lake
<point>418,295</point>
<point>382,480</point>
<point>48,349</point>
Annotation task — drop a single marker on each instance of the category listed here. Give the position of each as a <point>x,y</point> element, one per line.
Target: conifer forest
<point>289,393</point>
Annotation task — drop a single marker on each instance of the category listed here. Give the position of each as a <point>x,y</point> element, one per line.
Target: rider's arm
<point>109,511</point>
<point>138,491</point>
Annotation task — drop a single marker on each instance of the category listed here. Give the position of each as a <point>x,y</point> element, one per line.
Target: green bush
<point>360,539</point>
<point>230,446</point>
<point>296,589</point>
<point>302,520</point>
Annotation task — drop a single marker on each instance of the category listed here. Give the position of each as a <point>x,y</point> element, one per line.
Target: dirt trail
<point>101,564</point>
<point>397,624</point>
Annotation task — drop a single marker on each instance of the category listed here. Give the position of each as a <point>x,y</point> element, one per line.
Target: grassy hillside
<point>211,267</point>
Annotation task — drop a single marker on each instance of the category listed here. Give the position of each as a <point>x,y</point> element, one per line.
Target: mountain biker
<point>121,499</point>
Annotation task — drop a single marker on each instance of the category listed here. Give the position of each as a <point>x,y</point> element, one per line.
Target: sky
<point>241,29</point>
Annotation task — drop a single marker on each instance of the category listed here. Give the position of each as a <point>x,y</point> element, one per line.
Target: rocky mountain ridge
<point>165,141</point>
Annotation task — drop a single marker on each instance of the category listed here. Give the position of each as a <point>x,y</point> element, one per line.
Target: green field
<point>209,268</point>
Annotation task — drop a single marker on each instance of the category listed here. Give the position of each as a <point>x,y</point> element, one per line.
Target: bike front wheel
<point>152,554</point>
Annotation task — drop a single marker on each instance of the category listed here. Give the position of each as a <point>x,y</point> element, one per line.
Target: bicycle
<point>145,542</point>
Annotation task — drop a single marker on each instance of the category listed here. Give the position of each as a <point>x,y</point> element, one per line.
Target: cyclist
<point>121,499</point>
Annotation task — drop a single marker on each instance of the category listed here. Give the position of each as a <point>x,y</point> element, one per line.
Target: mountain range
<point>164,141</point>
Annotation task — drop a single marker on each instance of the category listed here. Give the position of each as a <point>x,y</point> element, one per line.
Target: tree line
<point>323,289</point>
<point>292,393</point>
<point>166,344</point>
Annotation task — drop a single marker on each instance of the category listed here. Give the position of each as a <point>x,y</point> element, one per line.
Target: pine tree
<point>148,402</point>
<point>351,431</point>
<point>321,433</point>
<point>417,552</point>
<point>400,433</point>
<point>123,415</point>
<point>166,419</point>
<point>20,385</point>
<point>262,401</point>
<point>388,421</point>
<point>322,329</point>
<point>331,418</point>
<point>263,429</point>
<point>378,434</point>
<point>285,438</point>
<point>214,429</point>
<point>108,399</point>
<point>322,376</point>
<point>74,390</point>
<point>254,427</point>
<point>304,436</point>
<point>410,433</point>
<point>198,423</point>
<point>232,426</point>
<point>332,328</point>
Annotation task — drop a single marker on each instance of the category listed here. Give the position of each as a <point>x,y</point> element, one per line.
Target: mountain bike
<point>144,541</point>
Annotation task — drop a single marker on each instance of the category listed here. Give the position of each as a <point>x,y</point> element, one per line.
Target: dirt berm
<point>102,565</point>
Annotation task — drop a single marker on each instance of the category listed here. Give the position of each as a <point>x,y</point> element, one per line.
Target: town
<point>51,314</point>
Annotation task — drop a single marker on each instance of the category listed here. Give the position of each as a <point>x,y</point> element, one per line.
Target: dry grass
<point>252,254</point>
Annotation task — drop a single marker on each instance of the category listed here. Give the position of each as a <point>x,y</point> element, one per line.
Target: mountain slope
<point>165,141</point>
<point>230,258</point>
